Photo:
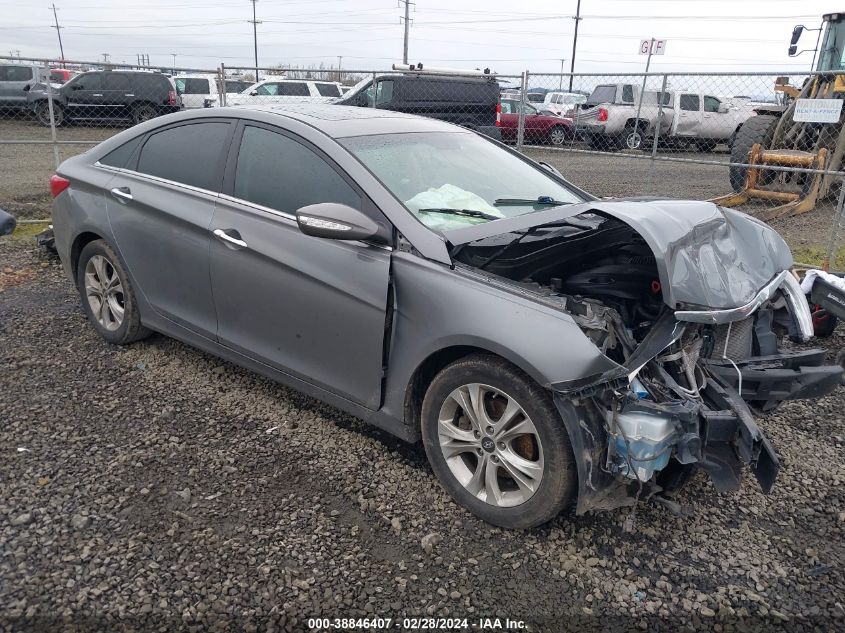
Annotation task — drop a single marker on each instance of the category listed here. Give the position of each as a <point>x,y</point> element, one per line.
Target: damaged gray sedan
<point>549,349</point>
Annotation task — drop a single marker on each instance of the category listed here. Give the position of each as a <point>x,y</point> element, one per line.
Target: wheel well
<point>81,241</point>
<point>643,125</point>
<point>425,373</point>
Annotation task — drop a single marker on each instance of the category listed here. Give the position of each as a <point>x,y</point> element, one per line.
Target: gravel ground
<point>153,487</point>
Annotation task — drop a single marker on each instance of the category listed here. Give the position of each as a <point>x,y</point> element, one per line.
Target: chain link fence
<point>729,137</point>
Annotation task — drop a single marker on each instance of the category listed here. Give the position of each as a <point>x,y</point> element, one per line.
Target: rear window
<point>479,92</point>
<point>602,94</point>
<point>15,73</point>
<point>236,86</point>
<point>627,93</point>
<point>149,84</point>
<point>689,102</point>
<point>192,86</point>
<point>328,90</point>
<point>172,154</point>
<point>120,157</point>
<point>115,81</point>
<point>294,89</point>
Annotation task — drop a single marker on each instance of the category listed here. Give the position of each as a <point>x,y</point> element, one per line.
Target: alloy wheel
<point>490,445</point>
<point>557,136</point>
<point>634,140</point>
<point>104,292</point>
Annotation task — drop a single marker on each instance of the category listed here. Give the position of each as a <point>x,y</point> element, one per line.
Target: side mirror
<point>335,221</point>
<point>723,109</point>
<point>7,223</point>
<point>254,93</point>
<point>793,43</point>
<point>76,87</point>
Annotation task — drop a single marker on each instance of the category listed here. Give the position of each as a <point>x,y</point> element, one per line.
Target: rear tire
<point>603,143</point>
<point>757,129</point>
<point>509,461</point>
<point>108,297</point>
<point>143,112</point>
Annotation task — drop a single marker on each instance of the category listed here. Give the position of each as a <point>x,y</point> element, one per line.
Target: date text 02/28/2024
<point>415,624</point>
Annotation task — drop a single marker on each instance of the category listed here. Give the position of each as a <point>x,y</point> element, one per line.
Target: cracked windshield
<point>450,180</point>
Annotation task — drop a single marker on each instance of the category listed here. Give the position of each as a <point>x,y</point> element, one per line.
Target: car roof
<point>338,121</point>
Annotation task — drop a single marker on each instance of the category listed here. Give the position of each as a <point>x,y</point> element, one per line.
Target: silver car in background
<point>548,348</point>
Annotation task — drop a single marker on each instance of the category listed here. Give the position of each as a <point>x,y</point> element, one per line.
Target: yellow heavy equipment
<point>814,139</point>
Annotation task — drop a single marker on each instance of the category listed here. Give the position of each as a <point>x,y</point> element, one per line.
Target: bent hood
<point>707,256</point>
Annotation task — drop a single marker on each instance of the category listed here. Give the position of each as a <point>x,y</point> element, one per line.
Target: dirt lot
<point>156,487</point>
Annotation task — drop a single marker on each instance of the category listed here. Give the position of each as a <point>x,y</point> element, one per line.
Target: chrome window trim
<point>181,185</point>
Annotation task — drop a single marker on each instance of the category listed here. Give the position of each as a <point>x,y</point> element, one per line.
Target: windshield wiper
<point>541,200</point>
<point>469,213</point>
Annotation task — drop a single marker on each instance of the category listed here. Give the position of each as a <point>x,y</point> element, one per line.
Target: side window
<point>120,157</point>
<point>294,89</point>
<point>506,107</point>
<point>384,91</point>
<point>88,82</point>
<point>15,73</point>
<point>116,81</point>
<point>628,93</point>
<point>328,90</point>
<point>267,90</point>
<point>194,86</point>
<point>173,154</point>
<point>711,104</point>
<point>690,103</point>
<point>278,172</point>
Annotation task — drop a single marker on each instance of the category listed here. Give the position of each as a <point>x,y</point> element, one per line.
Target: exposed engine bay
<point>691,375</point>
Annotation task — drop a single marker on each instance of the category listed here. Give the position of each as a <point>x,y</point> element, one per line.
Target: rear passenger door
<point>194,90</point>
<point>310,307</point>
<point>160,206</point>
<point>689,115</point>
<point>113,104</point>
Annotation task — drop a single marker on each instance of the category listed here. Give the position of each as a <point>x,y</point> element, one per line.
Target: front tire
<point>108,297</point>
<point>42,114</point>
<point>757,129</point>
<point>497,443</point>
<point>557,135</point>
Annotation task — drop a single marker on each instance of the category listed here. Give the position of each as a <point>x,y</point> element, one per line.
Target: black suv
<point>108,95</point>
<point>467,100</point>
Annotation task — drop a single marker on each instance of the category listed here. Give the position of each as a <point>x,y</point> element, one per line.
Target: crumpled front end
<point>691,302</point>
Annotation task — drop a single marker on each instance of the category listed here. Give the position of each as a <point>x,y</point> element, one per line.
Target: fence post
<point>374,90</point>
<point>221,81</point>
<point>52,120</point>
<point>520,128</point>
<point>660,98</point>
<point>834,232</point>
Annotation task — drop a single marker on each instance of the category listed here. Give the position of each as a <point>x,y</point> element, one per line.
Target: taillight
<point>58,184</point>
<point>498,115</point>
<point>602,114</point>
<point>172,98</point>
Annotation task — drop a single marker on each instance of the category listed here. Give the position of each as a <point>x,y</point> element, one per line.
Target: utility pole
<point>106,58</point>
<point>255,23</point>
<point>340,67</point>
<point>407,4</point>
<point>578,19</point>
<point>174,62</point>
<point>560,85</point>
<point>59,33</point>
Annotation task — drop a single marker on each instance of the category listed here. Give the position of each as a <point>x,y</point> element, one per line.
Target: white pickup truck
<point>609,121</point>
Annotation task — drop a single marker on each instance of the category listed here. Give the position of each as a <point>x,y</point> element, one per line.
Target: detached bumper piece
<point>767,380</point>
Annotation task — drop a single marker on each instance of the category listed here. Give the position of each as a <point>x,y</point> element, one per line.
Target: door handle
<point>96,94</point>
<point>225,237</point>
<point>122,193</point>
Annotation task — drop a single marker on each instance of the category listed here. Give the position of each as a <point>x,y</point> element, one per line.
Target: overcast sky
<point>508,37</point>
